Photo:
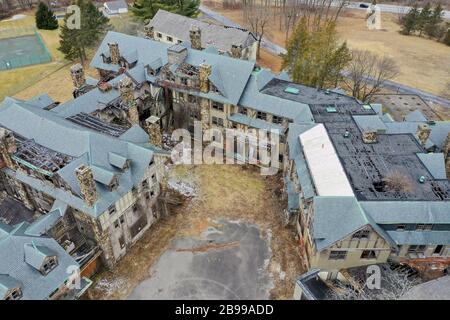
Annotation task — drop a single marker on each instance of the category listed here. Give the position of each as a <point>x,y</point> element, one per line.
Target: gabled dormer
<point>10,288</point>
<point>40,258</point>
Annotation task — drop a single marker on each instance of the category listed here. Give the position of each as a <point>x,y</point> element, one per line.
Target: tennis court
<point>23,51</point>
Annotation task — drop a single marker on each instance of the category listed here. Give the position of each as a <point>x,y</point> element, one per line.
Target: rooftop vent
<point>292,90</point>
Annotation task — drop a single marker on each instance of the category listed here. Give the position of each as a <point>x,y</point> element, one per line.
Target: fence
<point>25,60</point>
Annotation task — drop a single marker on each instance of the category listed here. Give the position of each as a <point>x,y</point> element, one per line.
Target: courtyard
<point>226,241</point>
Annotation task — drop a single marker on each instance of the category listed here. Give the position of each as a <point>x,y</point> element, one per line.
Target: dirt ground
<point>423,63</point>
<point>221,192</point>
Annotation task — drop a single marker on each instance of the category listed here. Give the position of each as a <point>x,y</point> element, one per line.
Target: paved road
<point>276,49</point>
<point>228,262</point>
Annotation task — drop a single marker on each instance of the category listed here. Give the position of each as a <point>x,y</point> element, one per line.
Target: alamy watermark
<point>73,14</point>
<point>228,146</point>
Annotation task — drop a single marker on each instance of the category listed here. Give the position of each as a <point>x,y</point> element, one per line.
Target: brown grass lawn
<point>424,63</point>
<point>52,78</point>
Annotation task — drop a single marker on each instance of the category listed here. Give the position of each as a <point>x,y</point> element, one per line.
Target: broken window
<point>277,120</point>
<point>369,254</point>
<point>112,210</point>
<point>438,249</point>
<point>337,255</point>
<point>424,227</point>
<point>14,295</point>
<point>261,115</point>
<point>217,106</point>
<point>116,224</point>
<point>169,38</point>
<point>184,81</point>
<point>362,234</point>
<point>242,111</point>
<point>50,265</point>
<point>159,35</point>
<point>417,249</point>
<point>217,121</point>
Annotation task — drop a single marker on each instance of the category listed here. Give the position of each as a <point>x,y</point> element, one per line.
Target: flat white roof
<point>324,166</point>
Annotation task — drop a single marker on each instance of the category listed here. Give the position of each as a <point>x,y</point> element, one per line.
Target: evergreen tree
<point>446,39</point>
<point>45,18</point>
<point>74,42</point>
<point>432,26</point>
<point>314,56</point>
<point>146,9</point>
<point>410,20</point>
<point>424,18</point>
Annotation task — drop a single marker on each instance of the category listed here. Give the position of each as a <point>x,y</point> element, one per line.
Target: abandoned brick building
<point>93,167</point>
<point>173,28</point>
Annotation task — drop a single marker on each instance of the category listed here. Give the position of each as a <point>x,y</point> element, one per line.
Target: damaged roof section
<point>386,169</point>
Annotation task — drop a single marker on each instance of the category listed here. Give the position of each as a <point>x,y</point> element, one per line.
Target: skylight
<point>292,90</point>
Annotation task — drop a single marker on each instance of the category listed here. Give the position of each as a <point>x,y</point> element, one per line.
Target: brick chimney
<point>7,148</point>
<point>114,52</point>
<point>153,128</point>
<point>87,184</point>
<point>195,34</point>
<point>204,73</point>
<point>236,51</point>
<point>77,73</point>
<point>423,133</point>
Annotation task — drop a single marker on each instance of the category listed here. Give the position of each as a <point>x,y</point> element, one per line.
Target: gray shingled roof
<point>34,285</point>
<point>233,73</point>
<point>116,5</point>
<point>211,34</point>
<point>335,218</point>
<point>85,146</point>
<point>408,212</point>
<point>435,163</point>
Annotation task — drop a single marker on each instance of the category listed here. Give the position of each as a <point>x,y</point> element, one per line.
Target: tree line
<point>427,21</point>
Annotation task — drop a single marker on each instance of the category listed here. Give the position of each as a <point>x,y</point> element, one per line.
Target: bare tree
<point>367,73</point>
<point>395,283</point>
<point>257,17</point>
<point>398,182</point>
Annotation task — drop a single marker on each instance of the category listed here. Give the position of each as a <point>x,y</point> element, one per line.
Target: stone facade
<point>77,73</point>
<point>195,35</point>
<point>114,52</point>
<point>87,184</point>
<point>153,128</point>
<point>423,133</point>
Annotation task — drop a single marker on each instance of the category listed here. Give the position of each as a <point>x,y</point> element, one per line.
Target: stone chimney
<point>77,73</point>
<point>7,148</point>
<point>153,128</point>
<point>114,52</point>
<point>204,73</point>
<point>195,34</point>
<point>133,113</point>
<point>236,51</point>
<point>149,33</point>
<point>87,184</point>
<point>423,133</point>
<point>126,89</point>
<point>176,54</point>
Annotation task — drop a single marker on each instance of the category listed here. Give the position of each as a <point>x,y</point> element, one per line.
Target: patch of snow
<point>182,187</point>
<point>110,286</point>
<point>16,17</point>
